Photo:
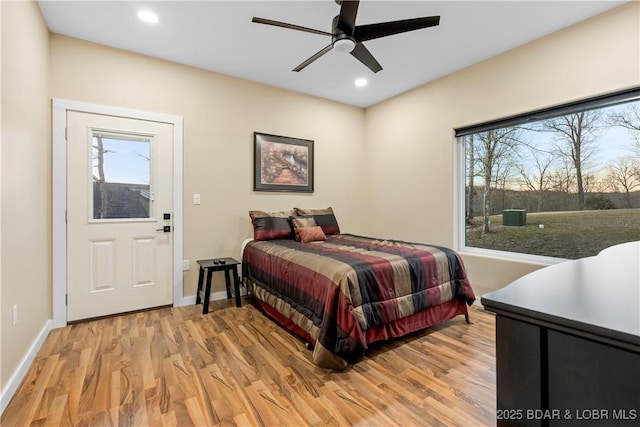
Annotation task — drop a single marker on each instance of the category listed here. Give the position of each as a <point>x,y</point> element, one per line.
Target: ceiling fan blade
<point>362,54</point>
<point>290,26</point>
<point>373,31</point>
<point>313,58</point>
<point>347,17</point>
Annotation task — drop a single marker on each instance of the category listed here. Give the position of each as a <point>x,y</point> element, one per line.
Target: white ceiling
<point>219,36</point>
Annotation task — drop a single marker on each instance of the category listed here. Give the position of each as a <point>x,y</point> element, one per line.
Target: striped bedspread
<point>340,289</point>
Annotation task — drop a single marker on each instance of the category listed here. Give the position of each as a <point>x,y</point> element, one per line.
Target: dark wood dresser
<point>568,343</point>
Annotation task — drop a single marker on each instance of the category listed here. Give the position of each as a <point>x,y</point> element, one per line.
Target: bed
<point>342,292</point>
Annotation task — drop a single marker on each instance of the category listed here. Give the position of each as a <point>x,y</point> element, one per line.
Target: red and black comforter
<point>348,289</point>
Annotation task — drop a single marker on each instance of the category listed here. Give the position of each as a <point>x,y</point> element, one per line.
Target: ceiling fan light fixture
<point>344,45</point>
<point>361,82</point>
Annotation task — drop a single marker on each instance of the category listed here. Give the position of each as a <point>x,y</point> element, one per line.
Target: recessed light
<point>148,16</point>
<point>361,82</point>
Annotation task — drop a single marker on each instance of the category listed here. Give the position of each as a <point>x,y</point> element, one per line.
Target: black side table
<point>217,264</point>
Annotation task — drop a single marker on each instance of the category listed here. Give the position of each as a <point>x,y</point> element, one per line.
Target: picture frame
<point>282,163</point>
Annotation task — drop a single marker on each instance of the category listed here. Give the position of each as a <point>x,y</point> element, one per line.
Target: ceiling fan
<point>346,36</point>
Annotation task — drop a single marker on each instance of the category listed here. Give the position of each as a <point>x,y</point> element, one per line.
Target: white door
<point>119,198</point>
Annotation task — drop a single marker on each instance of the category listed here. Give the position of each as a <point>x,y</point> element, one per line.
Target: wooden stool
<point>217,264</point>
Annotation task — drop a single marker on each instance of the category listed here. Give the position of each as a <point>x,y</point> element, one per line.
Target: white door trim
<point>59,167</point>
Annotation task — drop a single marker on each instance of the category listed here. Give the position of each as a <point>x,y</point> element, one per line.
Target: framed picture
<point>281,163</point>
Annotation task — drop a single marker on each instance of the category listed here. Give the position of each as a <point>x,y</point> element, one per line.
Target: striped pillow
<point>324,218</point>
<point>311,234</point>
<point>271,225</point>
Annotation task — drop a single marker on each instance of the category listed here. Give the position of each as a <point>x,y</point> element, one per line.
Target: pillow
<point>271,225</point>
<point>311,234</point>
<point>324,218</point>
<point>299,222</point>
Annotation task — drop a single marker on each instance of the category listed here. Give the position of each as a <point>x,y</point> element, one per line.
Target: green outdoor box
<point>514,217</point>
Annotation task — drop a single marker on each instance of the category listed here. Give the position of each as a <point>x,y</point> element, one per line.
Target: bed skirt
<point>322,357</point>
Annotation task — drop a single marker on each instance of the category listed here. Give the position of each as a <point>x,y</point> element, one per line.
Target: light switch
<point>196,199</point>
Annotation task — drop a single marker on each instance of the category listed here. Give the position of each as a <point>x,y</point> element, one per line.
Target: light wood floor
<point>174,366</point>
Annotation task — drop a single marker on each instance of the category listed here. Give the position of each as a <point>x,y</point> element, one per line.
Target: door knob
<point>166,229</point>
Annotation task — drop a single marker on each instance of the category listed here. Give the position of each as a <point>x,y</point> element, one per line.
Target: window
<point>121,174</point>
<point>561,182</point>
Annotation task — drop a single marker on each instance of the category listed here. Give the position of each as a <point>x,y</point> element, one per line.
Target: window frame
<point>122,135</point>
<point>597,102</point>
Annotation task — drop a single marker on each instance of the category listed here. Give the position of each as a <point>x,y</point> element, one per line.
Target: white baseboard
<point>15,380</point>
<point>215,296</point>
<point>190,300</point>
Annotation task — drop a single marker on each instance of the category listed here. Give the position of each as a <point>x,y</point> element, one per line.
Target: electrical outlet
<point>15,315</point>
<point>185,264</point>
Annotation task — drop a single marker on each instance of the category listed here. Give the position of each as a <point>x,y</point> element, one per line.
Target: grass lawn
<point>569,235</point>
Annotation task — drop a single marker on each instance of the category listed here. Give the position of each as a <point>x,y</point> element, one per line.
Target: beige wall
<point>220,115</point>
<point>410,143</point>
<point>26,181</point>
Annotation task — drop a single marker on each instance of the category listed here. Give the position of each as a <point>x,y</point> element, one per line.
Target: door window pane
<point>121,176</point>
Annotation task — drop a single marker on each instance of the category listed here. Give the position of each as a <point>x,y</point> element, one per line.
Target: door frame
<point>59,195</point>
